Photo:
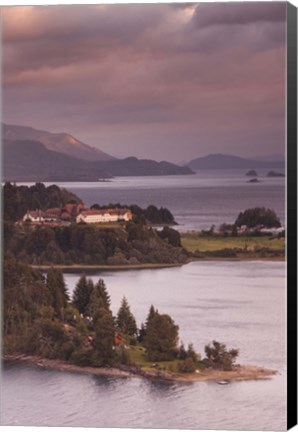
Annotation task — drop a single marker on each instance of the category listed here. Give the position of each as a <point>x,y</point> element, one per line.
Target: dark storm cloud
<point>209,14</point>
<point>147,78</point>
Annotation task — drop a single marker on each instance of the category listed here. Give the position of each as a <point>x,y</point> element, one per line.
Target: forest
<point>40,319</point>
<point>132,243</point>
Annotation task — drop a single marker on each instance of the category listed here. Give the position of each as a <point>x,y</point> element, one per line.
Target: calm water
<point>197,201</point>
<point>240,303</point>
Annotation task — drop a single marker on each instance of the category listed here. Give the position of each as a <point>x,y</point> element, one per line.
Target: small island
<point>254,180</point>
<point>252,173</point>
<point>275,174</point>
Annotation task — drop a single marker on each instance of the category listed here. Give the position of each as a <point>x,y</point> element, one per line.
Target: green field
<point>137,355</point>
<point>208,244</point>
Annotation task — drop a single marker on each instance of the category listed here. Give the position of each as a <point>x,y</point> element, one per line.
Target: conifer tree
<point>161,338</point>
<point>57,288</point>
<point>142,333</point>
<point>99,298</point>
<point>125,320</point>
<point>82,293</point>
<point>103,343</point>
<point>151,314</point>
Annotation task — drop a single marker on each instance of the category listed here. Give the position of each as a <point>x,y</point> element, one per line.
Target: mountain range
<point>28,160</point>
<point>58,142</point>
<point>34,155</point>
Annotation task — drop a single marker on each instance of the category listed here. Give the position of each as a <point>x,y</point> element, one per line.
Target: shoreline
<point>78,267</point>
<point>239,373</point>
<point>104,267</point>
<point>151,266</point>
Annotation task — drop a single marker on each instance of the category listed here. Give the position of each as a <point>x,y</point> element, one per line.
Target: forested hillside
<point>129,243</point>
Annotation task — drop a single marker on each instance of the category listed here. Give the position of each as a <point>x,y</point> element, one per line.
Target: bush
<point>122,356</point>
<point>218,357</point>
<point>171,235</point>
<point>65,350</point>
<point>224,253</point>
<point>187,366</point>
<point>82,357</point>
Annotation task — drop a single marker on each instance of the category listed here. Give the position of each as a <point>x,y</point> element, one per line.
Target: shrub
<point>218,357</point>
<point>187,366</point>
<point>82,357</point>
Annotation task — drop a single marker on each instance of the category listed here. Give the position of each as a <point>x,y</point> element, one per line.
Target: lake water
<point>196,201</point>
<point>240,303</point>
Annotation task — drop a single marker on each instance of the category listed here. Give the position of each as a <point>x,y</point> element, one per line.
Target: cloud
<point>211,14</point>
<point>143,73</point>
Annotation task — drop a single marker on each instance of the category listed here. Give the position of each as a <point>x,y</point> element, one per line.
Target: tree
<point>82,293</point>
<point>161,338</point>
<point>57,288</point>
<point>99,298</point>
<point>190,353</point>
<point>125,320</point>
<point>182,354</point>
<point>258,216</point>
<point>187,366</point>
<point>25,296</point>
<point>151,314</point>
<point>171,235</point>
<point>103,343</point>
<point>142,333</point>
<point>218,357</point>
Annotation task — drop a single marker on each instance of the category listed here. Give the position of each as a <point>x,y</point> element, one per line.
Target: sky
<point>161,81</point>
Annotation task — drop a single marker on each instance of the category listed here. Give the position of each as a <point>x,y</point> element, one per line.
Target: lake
<point>242,304</point>
<point>196,201</point>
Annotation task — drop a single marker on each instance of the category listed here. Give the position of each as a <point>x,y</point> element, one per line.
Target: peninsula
<point>80,334</point>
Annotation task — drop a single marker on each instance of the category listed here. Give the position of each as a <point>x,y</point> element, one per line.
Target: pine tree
<point>142,333</point>
<point>103,343</point>
<point>82,293</point>
<point>182,352</point>
<point>191,353</point>
<point>125,320</point>
<point>152,313</point>
<point>99,298</point>
<point>161,338</point>
<point>58,290</point>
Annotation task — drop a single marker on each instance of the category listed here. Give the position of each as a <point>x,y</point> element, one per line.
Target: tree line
<point>128,244</point>
<point>17,200</point>
<point>131,244</point>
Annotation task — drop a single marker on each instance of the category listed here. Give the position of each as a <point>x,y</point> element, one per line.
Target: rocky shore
<point>239,373</point>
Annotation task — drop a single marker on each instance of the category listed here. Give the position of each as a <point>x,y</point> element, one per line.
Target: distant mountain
<point>270,157</point>
<point>141,167</point>
<point>29,160</point>
<point>59,142</point>
<point>222,161</point>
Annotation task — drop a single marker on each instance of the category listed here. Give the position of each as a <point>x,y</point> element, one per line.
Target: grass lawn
<point>137,354</point>
<point>207,244</point>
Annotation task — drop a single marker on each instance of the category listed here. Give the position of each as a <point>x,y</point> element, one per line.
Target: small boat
<point>39,364</point>
<point>223,382</point>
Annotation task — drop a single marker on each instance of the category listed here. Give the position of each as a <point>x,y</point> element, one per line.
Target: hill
<point>59,142</point>
<point>27,160</point>
<point>223,161</point>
